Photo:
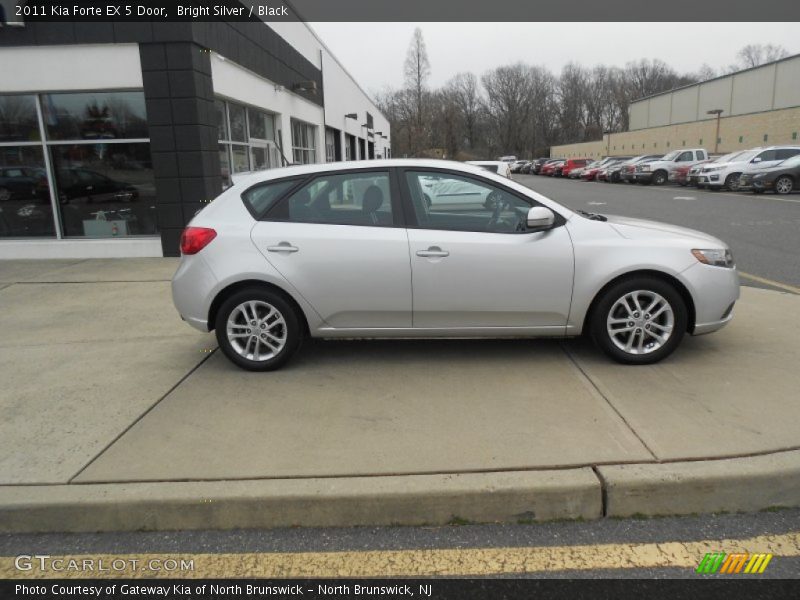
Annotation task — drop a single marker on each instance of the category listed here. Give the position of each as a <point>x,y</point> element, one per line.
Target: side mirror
<point>757,159</point>
<point>540,218</point>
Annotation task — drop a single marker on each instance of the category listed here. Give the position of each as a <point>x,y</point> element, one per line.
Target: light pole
<point>718,112</point>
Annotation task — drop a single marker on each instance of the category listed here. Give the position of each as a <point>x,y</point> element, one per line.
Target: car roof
<point>384,163</point>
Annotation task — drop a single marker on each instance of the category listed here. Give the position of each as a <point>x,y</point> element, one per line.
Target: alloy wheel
<point>784,185</point>
<point>256,330</point>
<point>640,322</point>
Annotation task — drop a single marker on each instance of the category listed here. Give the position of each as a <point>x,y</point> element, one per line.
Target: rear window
<point>260,198</point>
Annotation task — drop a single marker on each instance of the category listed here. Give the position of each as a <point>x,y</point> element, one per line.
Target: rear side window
<point>260,198</point>
<point>785,153</point>
<point>362,198</point>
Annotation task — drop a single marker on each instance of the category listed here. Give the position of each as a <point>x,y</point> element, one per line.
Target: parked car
<point>538,164</point>
<point>783,178</point>
<point>571,164</point>
<point>767,157</point>
<point>495,166</point>
<point>85,185</point>
<point>605,173</point>
<point>322,250</point>
<point>694,172</point>
<point>22,183</point>
<point>627,168</point>
<point>577,172</point>
<point>726,170</point>
<point>590,171</point>
<point>526,168</point>
<point>516,166</point>
<point>550,167</point>
<point>657,171</point>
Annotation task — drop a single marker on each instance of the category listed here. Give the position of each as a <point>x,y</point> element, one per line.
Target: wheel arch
<point>231,289</point>
<point>665,277</point>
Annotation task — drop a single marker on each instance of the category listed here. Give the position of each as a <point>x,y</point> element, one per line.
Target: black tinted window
<point>786,153</point>
<point>341,199</point>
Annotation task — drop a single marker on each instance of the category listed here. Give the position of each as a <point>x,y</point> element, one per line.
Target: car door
<point>473,262</point>
<point>339,241</point>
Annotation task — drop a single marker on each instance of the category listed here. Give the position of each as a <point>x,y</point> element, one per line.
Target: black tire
<point>659,178</point>
<point>732,182</point>
<point>291,326</point>
<point>784,185</point>
<point>606,303</point>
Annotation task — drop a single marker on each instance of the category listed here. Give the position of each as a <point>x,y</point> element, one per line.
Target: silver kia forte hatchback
<point>422,248</point>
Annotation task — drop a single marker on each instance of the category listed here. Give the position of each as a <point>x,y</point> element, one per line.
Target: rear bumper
<point>192,285</point>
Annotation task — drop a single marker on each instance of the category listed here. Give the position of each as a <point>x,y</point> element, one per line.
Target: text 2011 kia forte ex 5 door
<point>420,248</point>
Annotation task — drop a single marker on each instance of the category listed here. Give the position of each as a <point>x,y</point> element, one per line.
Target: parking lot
<point>762,230</point>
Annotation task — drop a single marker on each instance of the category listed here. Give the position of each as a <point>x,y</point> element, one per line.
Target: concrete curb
<point>726,485</point>
<point>394,500</point>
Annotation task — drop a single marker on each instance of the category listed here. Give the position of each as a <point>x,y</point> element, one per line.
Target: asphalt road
<point>609,535</point>
<point>763,230</point>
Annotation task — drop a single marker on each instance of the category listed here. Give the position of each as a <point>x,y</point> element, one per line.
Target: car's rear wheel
<point>639,321</point>
<point>732,181</point>
<point>257,329</point>
<point>784,185</point>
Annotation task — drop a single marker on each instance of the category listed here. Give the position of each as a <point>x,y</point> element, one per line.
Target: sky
<point>374,52</point>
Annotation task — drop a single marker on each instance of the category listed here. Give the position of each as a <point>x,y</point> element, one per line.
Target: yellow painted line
<point>773,283</point>
<point>420,563</point>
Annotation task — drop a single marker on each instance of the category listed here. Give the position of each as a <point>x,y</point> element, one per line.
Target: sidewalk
<point>119,416</point>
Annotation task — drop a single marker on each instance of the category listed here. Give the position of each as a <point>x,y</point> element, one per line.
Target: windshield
<point>672,155</point>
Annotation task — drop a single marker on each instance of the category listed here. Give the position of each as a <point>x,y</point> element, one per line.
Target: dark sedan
<point>783,178</point>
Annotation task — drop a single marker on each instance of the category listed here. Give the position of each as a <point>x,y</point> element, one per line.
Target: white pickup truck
<point>657,172</point>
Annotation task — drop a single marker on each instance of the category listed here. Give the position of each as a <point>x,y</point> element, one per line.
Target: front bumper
<point>714,291</point>
<point>643,177</point>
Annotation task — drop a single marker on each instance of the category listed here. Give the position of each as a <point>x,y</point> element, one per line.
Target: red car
<point>591,174</point>
<point>549,168</point>
<point>571,164</point>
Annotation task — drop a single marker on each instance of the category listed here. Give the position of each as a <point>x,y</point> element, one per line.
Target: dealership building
<point>754,107</point>
<point>113,135</point>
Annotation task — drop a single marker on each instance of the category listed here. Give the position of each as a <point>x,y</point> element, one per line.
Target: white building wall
<point>773,86</point>
<point>236,83</point>
<point>70,67</point>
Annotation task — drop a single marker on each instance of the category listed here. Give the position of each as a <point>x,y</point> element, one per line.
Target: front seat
<point>372,201</point>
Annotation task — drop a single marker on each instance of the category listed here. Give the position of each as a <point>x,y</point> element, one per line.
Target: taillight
<point>194,239</point>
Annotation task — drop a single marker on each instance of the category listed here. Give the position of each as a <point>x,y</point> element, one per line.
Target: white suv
<point>726,170</point>
<point>657,172</point>
<point>768,157</point>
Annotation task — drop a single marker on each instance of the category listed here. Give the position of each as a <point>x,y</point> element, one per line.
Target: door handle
<point>433,251</point>
<point>283,247</point>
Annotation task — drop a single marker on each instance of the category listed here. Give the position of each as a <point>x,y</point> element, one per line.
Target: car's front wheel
<point>257,329</point>
<point>639,321</point>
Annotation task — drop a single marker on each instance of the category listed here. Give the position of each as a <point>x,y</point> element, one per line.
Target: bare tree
<point>753,55</point>
<point>417,69</point>
<point>463,91</point>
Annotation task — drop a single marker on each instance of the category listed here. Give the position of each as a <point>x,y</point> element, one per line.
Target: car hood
<point>641,228</point>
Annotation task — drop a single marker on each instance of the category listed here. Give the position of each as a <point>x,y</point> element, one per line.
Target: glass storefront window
<point>241,163</point>
<point>18,120</point>
<point>95,116</point>
<point>238,123</point>
<point>105,190</point>
<point>25,207</point>
<point>222,120</point>
<point>304,138</point>
<point>225,166</point>
<point>258,158</point>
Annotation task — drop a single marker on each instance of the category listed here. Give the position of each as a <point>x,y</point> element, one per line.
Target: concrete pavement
<point>118,416</point>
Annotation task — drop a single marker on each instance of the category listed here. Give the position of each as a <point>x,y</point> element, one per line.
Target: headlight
<point>715,258</point>
<point>711,169</point>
